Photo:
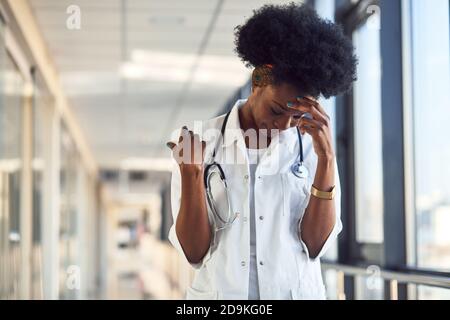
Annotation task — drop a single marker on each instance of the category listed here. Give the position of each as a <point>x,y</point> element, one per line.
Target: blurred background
<point>90,91</point>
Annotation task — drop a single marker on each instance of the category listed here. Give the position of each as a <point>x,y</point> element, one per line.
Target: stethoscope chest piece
<point>299,170</point>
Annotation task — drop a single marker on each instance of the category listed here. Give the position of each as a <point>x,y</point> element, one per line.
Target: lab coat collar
<point>233,131</point>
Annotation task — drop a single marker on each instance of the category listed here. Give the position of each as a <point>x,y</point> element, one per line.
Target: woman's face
<point>270,110</point>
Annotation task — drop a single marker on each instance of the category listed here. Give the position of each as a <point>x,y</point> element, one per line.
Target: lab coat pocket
<point>194,294</point>
<point>295,194</point>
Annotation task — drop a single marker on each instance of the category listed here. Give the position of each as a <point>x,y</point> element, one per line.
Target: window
<point>433,293</point>
<point>431,113</point>
<point>367,134</point>
<point>68,216</point>
<point>325,9</point>
<point>11,90</point>
<point>369,287</point>
<point>41,101</point>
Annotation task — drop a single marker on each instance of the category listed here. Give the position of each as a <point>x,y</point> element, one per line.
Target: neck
<point>246,117</point>
<point>247,121</point>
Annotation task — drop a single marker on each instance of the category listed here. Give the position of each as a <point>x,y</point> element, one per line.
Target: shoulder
<point>210,129</point>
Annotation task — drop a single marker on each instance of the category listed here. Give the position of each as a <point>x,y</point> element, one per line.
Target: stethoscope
<point>213,168</point>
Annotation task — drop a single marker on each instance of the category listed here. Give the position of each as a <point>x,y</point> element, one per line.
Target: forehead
<point>285,92</point>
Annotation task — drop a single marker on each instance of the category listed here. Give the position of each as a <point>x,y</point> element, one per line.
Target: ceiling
<point>137,70</point>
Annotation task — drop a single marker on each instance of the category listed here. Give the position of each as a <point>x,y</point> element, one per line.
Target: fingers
<point>171,145</point>
<point>314,108</point>
<point>312,126</point>
<point>198,148</point>
<point>190,148</point>
<point>182,134</point>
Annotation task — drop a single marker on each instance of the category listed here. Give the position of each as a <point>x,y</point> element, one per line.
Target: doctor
<point>281,199</point>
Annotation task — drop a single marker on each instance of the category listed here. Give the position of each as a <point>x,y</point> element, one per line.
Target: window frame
<point>398,180</point>
<point>351,16</point>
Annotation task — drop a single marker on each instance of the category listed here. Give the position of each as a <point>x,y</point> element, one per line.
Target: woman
<point>276,154</point>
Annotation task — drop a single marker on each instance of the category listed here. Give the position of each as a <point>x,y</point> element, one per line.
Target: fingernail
<point>290,104</point>
<point>299,97</point>
<point>169,144</point>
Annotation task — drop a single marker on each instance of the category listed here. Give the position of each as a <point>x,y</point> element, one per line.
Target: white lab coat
<point>285,270</point>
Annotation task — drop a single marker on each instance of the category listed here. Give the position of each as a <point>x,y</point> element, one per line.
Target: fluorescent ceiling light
<point>213,70</point>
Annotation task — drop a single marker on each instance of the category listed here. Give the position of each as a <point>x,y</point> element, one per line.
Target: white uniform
<point>284,268</point>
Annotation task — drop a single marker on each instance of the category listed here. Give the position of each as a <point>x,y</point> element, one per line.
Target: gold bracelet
<point>323,194</point>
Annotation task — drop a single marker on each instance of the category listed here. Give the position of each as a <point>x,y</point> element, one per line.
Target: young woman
<point>262,235</point>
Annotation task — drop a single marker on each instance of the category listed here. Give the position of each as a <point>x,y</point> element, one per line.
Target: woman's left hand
<point>318,127</point>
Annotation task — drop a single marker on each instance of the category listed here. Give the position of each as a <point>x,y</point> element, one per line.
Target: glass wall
<point>325,9</point>
<point>11,108</point>
<point>367,134</point>
<point>3,212</point>
<point>431,114</point>
<point>41,102</point>
<point>54,181</point>
<point>431,102</point>
<point>426,56</point>
<point>69,281</point>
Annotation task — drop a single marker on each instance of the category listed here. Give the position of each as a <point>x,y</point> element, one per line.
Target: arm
<point>320,215</point>
<point>192,226</point>
<point>319,218</point>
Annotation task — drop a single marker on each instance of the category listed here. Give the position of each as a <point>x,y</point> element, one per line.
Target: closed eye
<point>276,113</point>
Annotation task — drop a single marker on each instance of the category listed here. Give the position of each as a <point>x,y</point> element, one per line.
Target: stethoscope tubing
<point>212,163</point>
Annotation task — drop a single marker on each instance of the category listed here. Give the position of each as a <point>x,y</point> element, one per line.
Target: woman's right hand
<point>189,152</point>
<point>192,223</point>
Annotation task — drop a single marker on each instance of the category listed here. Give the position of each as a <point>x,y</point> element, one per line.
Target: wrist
<point>326,158</point>
<point>191,171</point>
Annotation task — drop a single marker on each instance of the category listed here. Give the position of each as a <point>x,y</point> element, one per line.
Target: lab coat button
<point>261,218</point>
<point>246,177</point>
<point>243,263</point>
<point>261,263</point>
<point>244,219</point>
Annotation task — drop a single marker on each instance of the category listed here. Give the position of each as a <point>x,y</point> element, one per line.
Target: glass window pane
<point>41,102</point>
<point>431,94</point>
<point>3,221</point>
<point>325,9</point>
<point>68,215</point>
<point>433,293</point>
<point>369,288</point>
<point>331,284</point>
<point>367,135</point>
<point>11,99</point>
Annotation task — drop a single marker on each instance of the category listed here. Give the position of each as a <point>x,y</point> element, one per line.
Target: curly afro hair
<point>308,52</point>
